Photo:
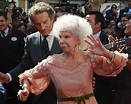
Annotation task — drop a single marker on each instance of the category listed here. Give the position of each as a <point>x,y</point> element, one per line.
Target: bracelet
<point>23,87</point>
<point>113,56</point>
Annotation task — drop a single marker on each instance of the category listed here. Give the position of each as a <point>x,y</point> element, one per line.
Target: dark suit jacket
<point>11,52</point>
<point>103,88</point>
<point>33,54</point>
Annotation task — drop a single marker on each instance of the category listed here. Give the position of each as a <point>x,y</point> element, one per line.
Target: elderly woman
<point>72,70</point>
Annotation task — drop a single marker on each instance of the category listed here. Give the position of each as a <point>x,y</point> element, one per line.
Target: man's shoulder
<point>103,34</point>
<point>36,34</point>
<point>15,31</point>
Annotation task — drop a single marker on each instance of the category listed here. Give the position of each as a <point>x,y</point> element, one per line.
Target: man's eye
<point>45,22</point>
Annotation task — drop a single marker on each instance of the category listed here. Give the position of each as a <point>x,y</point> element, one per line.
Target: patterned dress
<point>70,78</point>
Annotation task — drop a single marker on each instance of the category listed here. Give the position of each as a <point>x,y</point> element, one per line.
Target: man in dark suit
<point>103,87</point>
<point>42,16</point>
<point>11,52</point>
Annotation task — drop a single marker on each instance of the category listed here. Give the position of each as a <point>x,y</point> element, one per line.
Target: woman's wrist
<point>25,85</point>
<point>110,55</point>
<point>113,56</point>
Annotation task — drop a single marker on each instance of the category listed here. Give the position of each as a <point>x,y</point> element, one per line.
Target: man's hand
<point>112,39</point>
<point>3,78</point>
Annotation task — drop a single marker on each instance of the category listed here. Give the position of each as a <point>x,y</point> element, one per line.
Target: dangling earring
<point>77,47</point>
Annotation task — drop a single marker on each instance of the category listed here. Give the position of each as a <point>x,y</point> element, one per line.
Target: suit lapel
<point>103,38</point>
<point>38,47</point>
<point>55,47</point>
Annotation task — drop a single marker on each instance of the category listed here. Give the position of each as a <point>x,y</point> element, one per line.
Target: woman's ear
<point>77,40</point>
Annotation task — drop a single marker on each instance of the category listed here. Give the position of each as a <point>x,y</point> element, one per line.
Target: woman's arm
<point>24,93</point>
<point>36,79</point>
<point>105,62</point>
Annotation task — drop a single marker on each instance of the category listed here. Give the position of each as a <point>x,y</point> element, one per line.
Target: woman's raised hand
<point>95,46</point>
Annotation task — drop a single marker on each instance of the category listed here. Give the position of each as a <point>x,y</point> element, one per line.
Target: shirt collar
<point>7,30</point>
<point>50,39</point>
<point>51,34</point>
<point>97,35</point>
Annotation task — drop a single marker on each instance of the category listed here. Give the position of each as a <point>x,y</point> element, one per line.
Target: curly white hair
<point>74,24</point>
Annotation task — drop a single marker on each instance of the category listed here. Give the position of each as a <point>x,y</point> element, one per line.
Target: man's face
<point>43,23</point>
<point>129,4</point>
<point>124,21</point>
<point>128,28</point>
<point>91,20</point>
<point>3,23</point>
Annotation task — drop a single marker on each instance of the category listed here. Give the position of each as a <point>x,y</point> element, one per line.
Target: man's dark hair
<point>98,18</point>
<point>128,16</point>
<point>2,13</point>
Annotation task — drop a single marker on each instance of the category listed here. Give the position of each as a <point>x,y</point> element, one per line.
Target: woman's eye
<point>66,36</point>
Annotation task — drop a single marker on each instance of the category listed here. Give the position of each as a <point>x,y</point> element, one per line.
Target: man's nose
<point>42,26</point>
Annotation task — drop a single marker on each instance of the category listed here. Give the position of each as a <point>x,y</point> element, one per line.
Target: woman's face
<point>68,41</point>
<point>22,28</point>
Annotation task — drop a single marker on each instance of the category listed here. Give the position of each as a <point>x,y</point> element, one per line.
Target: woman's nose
<point>61,40</point>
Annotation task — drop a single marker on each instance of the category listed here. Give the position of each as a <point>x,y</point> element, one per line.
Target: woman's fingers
<point>92,38</point>
<point>22,95</point>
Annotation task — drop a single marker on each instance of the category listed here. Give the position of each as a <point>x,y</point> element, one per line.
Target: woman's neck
<point>74,55</point>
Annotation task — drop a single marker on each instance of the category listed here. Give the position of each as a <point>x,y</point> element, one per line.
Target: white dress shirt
<point>97,35</point>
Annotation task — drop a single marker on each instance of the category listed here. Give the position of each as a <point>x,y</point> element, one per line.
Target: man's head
<point>3,21</point>
<point>128,27</point>
<point>97,21</point>
<point>129,3</point>
<point>42,16</point>
<point>124,20</point>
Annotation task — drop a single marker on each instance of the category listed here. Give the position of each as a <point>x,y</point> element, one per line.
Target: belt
<point>77,99</point>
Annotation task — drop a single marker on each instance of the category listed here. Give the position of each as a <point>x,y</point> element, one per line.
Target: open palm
<point>95,46</point>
